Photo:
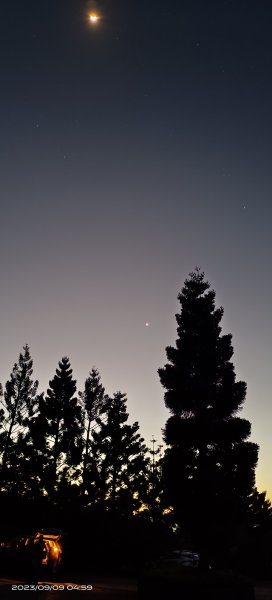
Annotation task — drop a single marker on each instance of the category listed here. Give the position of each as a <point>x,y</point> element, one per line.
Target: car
<point>41,550</point>
<point>186,558</point>
<point>51,555</point>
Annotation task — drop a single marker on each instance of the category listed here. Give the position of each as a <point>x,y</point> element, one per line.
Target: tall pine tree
<point>120,460</point>
<point>93,399</point>
<point>19,406</point>
<point>36,451</point>
<point>2,418</point>
<point>63,414</point>
<point>209,466</point>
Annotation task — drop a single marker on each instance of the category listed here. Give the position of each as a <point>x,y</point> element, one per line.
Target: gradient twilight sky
<point>132,151</point>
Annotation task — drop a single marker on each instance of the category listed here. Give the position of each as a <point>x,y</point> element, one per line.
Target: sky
<point>133,150</point>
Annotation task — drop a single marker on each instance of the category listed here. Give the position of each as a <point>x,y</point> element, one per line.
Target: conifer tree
<point>156,498</point>
<point>209,466</point>
<point>19,406</point>
<point>120,458</point>
<point>63,414</point>
<point>93,399</point>
<point>2,418</point>
<point>260,510</point>
<point>35,451</point>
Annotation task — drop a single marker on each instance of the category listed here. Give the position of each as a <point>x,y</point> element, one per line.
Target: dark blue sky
<point>131,152</point>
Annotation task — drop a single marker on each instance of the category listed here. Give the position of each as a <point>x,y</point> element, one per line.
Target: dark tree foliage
<point>19,406</point>
<point>119,460</point>
<point>93,399</point>
<point>156,504</point>
<point>252,552</point>
<point>35,451</point>
<point>260,510</point>
<point>64,423</point>
<point>209,466</point>
<point>2,419</point>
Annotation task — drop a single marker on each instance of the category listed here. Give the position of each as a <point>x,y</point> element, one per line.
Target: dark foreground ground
<point>263,591</point>
<point>90,588</point>
<point>95,586</point>
<point>103,588</point>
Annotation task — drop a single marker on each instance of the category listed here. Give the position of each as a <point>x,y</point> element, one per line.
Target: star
<point>93,17</point>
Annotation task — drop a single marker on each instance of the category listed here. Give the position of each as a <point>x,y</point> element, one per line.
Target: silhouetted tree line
<point>63,444</point>
<point>72,459</point>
